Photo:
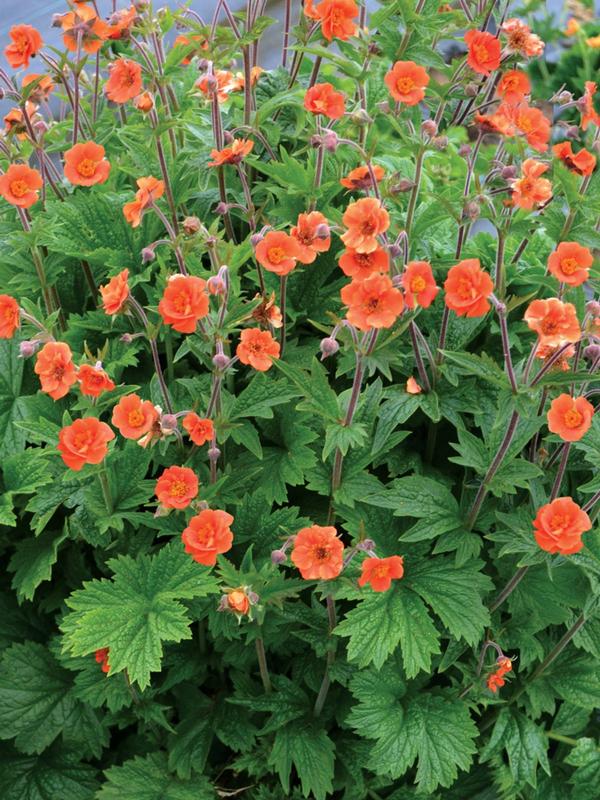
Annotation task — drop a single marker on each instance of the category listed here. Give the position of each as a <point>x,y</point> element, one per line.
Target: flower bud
<point>397,281</point>
<point>592,352</point>
<point>238,602</point>
<point>563,98</point>
<point>329,347</point>
<point>148,255</point>
<point>228,137</point>
<point>216,285</point>
<point>126,338</point>
<point>330,141</point>
<point>28,348</point>
<point>256,239</point>
<point>471,90</point>
<point>384,107</point>
<point>429,127</point>
<point>464,150</point>
<point>213,453</point>
<point>472,210</point>
<point>322,231</point>
<point>403,185</point>
<point>278,557</point>
<point>509,173</point>
<point>361,117</point>
<point>56,21</point>
<point>316,141</point>
<point>440,142</point>
<point>191,225</point>
<point>571,131</point>
<point>203,64</point>
<point>41,126</point>
<point>212,84</point>
<point>221,361</point>
<point>222,209</point>
<point>144,102</point>
<point>168,423</point>
<point>593,308</point>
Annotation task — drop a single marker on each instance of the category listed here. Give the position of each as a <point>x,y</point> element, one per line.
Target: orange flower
<point>55,368</point>
<point>570,417</point>
<point>365,219</point>
<point>530,122</point>
<point>336,17</point>
<point>407,82</point>
<point>322,98</point>
<point>514,85</point>
<point>238,601</point>
<point>144,102</point>
<point>14,121</point>
<point>42,89</point>
<point>223,84</point>
<point>93,380</point>
<point>307,233</point>
<point>583,162</point>
<point>199,430</point>
<point>380,572</point>
<point>176,487</point>
<point>373,302</point>
<point>20,185</point>
<point>558,526</point>
<point>361,265</point>
<point>593,42</point>
<point>530,190</point>
<point>412,387</point>
<point>495,682</point>
<point>520,39</point>
<point>149,190</point>
<point>133,416</point>
<point>102,658</point>
<point>419,284</point>
<point>84,24</point>
<point>589,113</point>
<point>9,316</point>
<point>199,43</point>
<point>121,22</point>
<point>84,442</point>
<point>570,263</point>
<point>257,348</point>
<point>545,352</point>
<point>124,81</point>
<point>555,322</point>
<point>495,123</point>
<point>267,312</point>
<point>573,27</point>
<point>484,51</point>
<point>184,302</point>
<point>207,535</point>
<point>85,164</point>
<point>278,252</point>
<point>318,553</point>
<point>115,293</point>
<point>234,154</point>
<point>360,178</point>
<point>26,41</point>
<point>468,288</point>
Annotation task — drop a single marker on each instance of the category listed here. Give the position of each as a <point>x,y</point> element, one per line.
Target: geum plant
<point>298,381</point>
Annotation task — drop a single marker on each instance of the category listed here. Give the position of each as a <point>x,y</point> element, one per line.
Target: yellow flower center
<point>418,284</point>
<point>86,167</point>
<point>135,418</point>
<point>178,489</point>
<point>405,85</point>
<point>276,255</point>
<point>569,265</point>
<point>19,188</point>
<point>573,418</point>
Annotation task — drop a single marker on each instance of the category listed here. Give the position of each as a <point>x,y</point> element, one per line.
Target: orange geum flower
<point>20,185</point>
<point>124,81</point>
<point>198,429</point>
<point>267,312</point>
<point>570,263</point>
<point>84,442</point>
<point>484,51</point>
<point>184,302</point>
<point>221,80</point>
<point>144,102</point>
<point>9,316</point>
<point>14,121</point>
<point>235,153</point>
<point>468,288</point>
<point>83,25</point>
<point>85,164</point>
<point>102,658</point>
<point>134,417</point>
<point>149,190</point>
<point>530,190</point>
<point>323,99</point>
<point>380,572</point>
<point>593,42</point>
<point>555,322</point>
<point>360,178</point>
<point>42,89</point>
<point>278,252</point>
<point>495,682</point>
<point>208,535</point>
<point>257,349</point>
<point>337,18</point>
<point>559,525</point>
<point>312,234</point>
<point>545,352</point>
<point>412,387</point>
<point>318,552</point>
<point>530,122</point>
<point>26,42</point>
<point>570,417</point>
<point>419,284</point>
<point>497,122</point>
<point>520,39</point>
<point>407,82</point>
<point>93,380</point>
<point>514,85</point>
<point>373,302</point>
<point>237,601</point>
<point>199,44</point>
<point>589,113</point>
<point>365,219</point>
<point>583,162</point>
<point>55,368</point>
<point>121,22</point>
<point>115,293</point>
<point>176,487</point>
<point>361,265</point>
<point>573,27</point>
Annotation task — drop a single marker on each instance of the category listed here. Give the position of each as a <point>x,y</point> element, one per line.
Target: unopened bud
<point>464,151</point>
<point>394,250</point>
<point>322,231</point>
<point>253,597</point>
<point>228,137</point>
<point>28,348</point>
<point>126,338</point>
<point>144,102</point>
<point>191,225</point>
<point>374,49</point>
<point>366,544</point>
<point>168,423</point>
<point>472,210</point>
<point>593,308</point>
<point>384,107</point>
<point>216,285</point>
<point>222,208</point>
<point>202,64</point>
<point>56,21</point>
<point>581,104</point>
<point>214,453</point>
<point>316,141</point>
<point>563,98</point>
<point>212,84</point>
<point>148,255</point>
<point>41,126</point>
<point>592,352</point>
<point>471,90</point>
<point>401,186</point>
<point>440,142</point>
<point>221,361</point>
<point>361,117</point>
<point>330,141</point>
<point>329,346</point>
<point>571,131</point>
<point>278,557</point>
<point>256,239</point>
<point>509,173</point>
<point>429,127</point>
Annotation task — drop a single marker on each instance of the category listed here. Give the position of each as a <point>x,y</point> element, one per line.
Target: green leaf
<point>525,743</point>
<point>49,776</point>
<point>481,366</point>
<point>259,397</point>
<point>33,560</point>
<point>343,437</point>
<point>190,743</point>
<point>382,622</point>
<point>310,750</point>
<point>586,778</point>
<point>137,610</point>
<point>149,779</point>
